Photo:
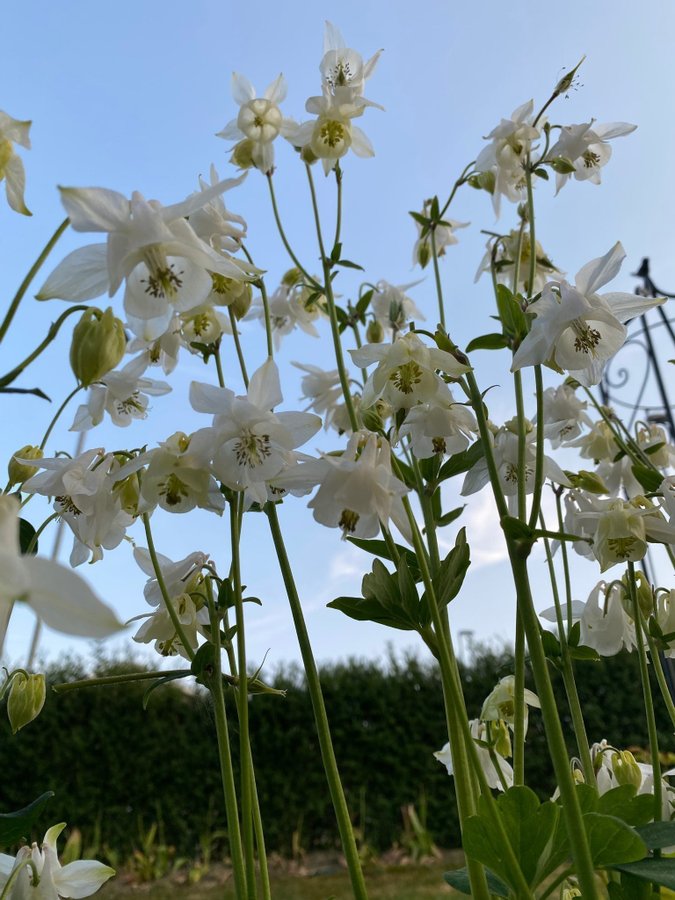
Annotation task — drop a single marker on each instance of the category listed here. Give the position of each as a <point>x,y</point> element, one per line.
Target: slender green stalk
<point>460,181</point>
<point>319,709</point>
<point>557,882</point>
<point>242,707</point>
<point>556,743</point>
<point>646,695</point>
<point>33,541</point>
<point>170,608</point>
<point>27,863</point>
<point>566,565</point>
<point>539,448</point>
<point>32,272</point>
<point>568,673</point>
<point>522,447</point>
<point>338,212</point>
<point>237,344</point>
<point>51,334</point>
<point>437,277</point>
<point>284,239</point>
<point>519,707</point>
<point>225,757</point>
<point>57,415</point>
<point>658,671</point>
<point>486,437</point>
<point>127,678</point>
<point>260,284</point>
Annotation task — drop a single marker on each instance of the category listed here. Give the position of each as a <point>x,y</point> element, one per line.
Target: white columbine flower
<point>252,443</point>
<point>343,70</point>
<point>605,625</point>
<point>586,147</point>
<point>57,594</point>
<point>392,308</point>
<point>13,131</point>
<point>444,236</point>
<point>322,388</point>
<point>500,702</point>
<point>215,224</point>
<point>258,123</point>
<point>439,426</point>
<point>564,415</point>
<point>80,878</point>
<point>479,734</point>
<point>505,253</point>
<point>577,329</point>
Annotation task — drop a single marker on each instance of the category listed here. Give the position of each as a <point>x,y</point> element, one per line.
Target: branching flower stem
<point>57,416</point>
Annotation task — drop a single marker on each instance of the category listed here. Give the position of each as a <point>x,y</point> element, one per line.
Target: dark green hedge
<point>113,765</point>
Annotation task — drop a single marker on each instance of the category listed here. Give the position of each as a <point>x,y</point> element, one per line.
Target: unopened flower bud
<point>291,277</point>
<point>98,345</point>
<point>26,699</point>
<point>501,737</point>
<point>374,332</point>
<point>307,155</point>
<point>645,594</point>
<point>588,481</point>
<point>626,769</point>
<point>128,492</point>
<point>423,254</point>
<point>242,303</point>
<point>372,420</point>
<point>562,165</point>
<point>20,472</point>
<point>242,155</point>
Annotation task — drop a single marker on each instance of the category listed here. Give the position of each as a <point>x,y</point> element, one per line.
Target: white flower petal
<point>591,277</point>
<point>81,878</point>
<point>95,209</point>
<point>82,275</point>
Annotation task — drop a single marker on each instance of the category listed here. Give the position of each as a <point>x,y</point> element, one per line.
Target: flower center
<point>252,449</point>
<point>406,377</point>
<point>67,505</point>
<point>173,490</point>
<point>130,406</point>
<point>591,159</point>
<point>332,133</point>
<point>439,445</point>
<point>163,282</point>
<point>587,338</point>
<point>621,547</point>
<point>348,520</point>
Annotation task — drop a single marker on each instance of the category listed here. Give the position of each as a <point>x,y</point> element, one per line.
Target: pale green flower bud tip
<point>26,699</point>
<point>98,345</point>
<point>626,769</point>
<point>20,472</point>
<point>374,332</point>
<point>242,302</point>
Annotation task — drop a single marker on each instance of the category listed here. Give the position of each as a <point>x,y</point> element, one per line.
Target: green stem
<point>32,272</point>
<point>486,437</point>
<point>26,863</point>
<point>51,334</point>
<point>338,213</point>
<point>658,671</point>
<point>173,615</point>
<point>566,566</point>
<point>522,446</point>
<point>242,707</point>
<point>33,541</point>
<point>319,709</point>
<point>519,707</point>
<point>225,758</point>
<point>556,743</point>
<point>129,677</point>
<point>460,181</point>
<point>260,284</point>
<point>646,694</point>
<point>437,277</point>
<point>568,674</point>
<point>539,449</point>
<point>53,422</point>
<point>260,839</point>
<point>237,344</point>
<point>284,239</point>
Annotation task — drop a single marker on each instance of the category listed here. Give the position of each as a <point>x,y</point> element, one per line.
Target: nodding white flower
<point>332,134</point>
<point>564,415</point>
<point>577,329</point>
<point>605,625</point>
<point>55,593</point>
<point>291,305</point>
<point>667,491</point>
<point>162,351</point>
<point>599,443</point>
<point>123,395</point>
<point>586,147</point>
<point>444,236</point>
<point>343,71</point>
<point>68,480</point>
<point>504,252</point>
<point>252,444</point>
<point>183,583</point>
<point>439,427</point>
<point>615,767</point>
<point>215,224</point>
<point>500,702</point>
<point>479,734</point>
<point>13,131</point>
<point>322,388</point>
<point>259,122</point>
<point>506,156</point>
<point>392,308</point>
<point>505,451</point>
<point>154,247</point>
<point>358,490</point>
<point>406,371</point>
<point>80,878</point>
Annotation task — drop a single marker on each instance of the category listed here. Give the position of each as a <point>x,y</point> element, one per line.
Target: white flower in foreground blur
<point>215,224</point>
<point>80,878</point>
<point>502,252</point>
<point>506,156</point>
<point>586,147</point>
<point>252,444</point>
<point>56,594</point>
<point>258,123</point>
<point>13,131</point>
<point>358,490</point>
<point>406,371</point>
<point>500,702</point>
<point>479,733</point>
<point>343,70</point>
<point>182,581</point>
<point>578,330</point>
<point>392,308</point>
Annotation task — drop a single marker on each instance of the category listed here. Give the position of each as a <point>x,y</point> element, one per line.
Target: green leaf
<point>362,305</point>
<point>630,888</point>
<point>648,478</point>
<point>369,610</point>
<point>585,653</point>
<point>348,264</point>
<point>551,644</point>
<point>161,682</point>
<point>461,462</point>
<point>459,880</point>
<point>380,548</point>
<point>422,220</point>
<point>575,635</point>
<point>657,871</point>
<point>487,342</point>
<point>26,535</point>
<point>450,517</point>
<point>204,659</point>
<point>511,315</point>
<point>483,843</point>
<point>657,834</point>
<point>516,530</point>
<point>626,804</point>
<point>448,581</point>
<point>17,825</point>
<point>611,841</point>
<point>541,173</point>
<point>562,165</point>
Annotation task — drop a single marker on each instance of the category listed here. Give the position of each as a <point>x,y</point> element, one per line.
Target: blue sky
<point>130,95</point>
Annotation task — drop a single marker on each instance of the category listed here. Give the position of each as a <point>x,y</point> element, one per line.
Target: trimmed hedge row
<point>116,768</point>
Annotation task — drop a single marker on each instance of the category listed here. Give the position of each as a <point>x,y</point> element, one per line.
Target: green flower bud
<point>20,472</point>
<point>562,165</point>
<point>501,737</point>
<point>26,699</point>
<point>98,345</point>
<point>424,254</point>
<point>645,594</point>
<point>374,332</point>
<point>372,419</point>
<point>242,155</point>
<point>242,303</point>
<point>588,481</point>
<point>626,769</point>
<point>291,277</point>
